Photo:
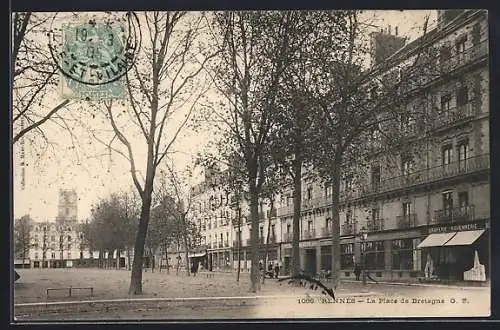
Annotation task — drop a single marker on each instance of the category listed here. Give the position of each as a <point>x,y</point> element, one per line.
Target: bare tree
<point>34,75</point>
<point>256,47</point>
<point>360,109</point>
<point>188,231</point>
<point>164,81</point>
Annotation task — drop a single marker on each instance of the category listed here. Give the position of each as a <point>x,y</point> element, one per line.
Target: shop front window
<point>374,255</point>
<point>402,254</point>
<point>326,257</point>
<point>347,256</point>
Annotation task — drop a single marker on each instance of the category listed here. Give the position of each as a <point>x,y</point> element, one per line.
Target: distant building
<point>59,243</point>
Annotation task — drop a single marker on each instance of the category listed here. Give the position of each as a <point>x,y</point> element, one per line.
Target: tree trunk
<point>271,203</point>
<point>128,258</point>
<point>152,260</point>
<point>136,276</point>
<point>166,258</point>
<point>335,224</point>
<point>254,234</point>
<point>117,259</point>
<point>297,198</point>
<point>239,243</point>
<point>186,245</point>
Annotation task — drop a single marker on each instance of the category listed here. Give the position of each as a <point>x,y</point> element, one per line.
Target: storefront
<point>200,258</point>
<point>450,251</point>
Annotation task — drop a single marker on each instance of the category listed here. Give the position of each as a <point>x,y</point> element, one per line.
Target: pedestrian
<point>357,271</point>
<point>194,268</point>
<point>276,270</point>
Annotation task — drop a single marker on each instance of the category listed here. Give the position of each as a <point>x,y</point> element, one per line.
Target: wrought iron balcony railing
<point>435,67</point>
<point>447,117</point>
<point>375,225</point>
<point>406,221</point>
<point>454,215</point>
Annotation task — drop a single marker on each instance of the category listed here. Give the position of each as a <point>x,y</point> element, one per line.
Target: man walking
<point>357,271</point>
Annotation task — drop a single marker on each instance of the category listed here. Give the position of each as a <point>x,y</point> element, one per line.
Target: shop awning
<point>197,255</point>
<point>438,239</point>
<point>465,237</point>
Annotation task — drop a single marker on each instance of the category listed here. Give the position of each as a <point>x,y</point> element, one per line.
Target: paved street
<point>221,297</point>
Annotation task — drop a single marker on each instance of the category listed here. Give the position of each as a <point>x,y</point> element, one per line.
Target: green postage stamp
<point>93,60</point>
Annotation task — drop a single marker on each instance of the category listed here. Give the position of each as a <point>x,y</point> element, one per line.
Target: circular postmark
<point>97,51</point>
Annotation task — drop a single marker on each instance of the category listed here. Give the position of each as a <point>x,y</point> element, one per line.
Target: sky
<point>78,161</point>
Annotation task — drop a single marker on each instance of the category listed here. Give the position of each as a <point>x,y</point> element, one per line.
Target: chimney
<point>396,28</point>
<point>383,45</point>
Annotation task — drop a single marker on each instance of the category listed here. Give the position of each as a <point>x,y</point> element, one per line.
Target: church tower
<point>67,205</point>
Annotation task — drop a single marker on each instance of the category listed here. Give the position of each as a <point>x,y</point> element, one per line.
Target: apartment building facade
<point>429,203</point>
<point>432,203</point>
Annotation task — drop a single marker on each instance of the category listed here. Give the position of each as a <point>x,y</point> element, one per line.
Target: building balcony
<point>375,225</point>
<point>434,68</point>
<point>348,228</point>
<point>309,234</point>
<point>315,202</point>
<point>467,166</point>
<point>326,231</point>
<point>455,215</point>
<point>461,59</point>
<point>406,221</point>
<point>446,118</point>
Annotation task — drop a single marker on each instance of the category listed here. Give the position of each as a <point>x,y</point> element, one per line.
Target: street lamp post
<point>363,235</point>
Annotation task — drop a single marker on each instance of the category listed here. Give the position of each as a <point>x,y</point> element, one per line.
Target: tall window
<point>261,232</point>
<point>446,155</point>
<point>273,232</point>
<point>347,256</point>
<point>447,203</point>
<point>376,222</point>
<point>444,57</point>
<point>406,209</point>
<point>221,239</point>
<point>463,203</point>
<point>375,177</point>
<point>462,96</point>
<point>374,255</point>
<point>326,257</point>
<point>402,254</point>
<point>460,48</point>
<point>309,193</point>
<point>328,223</point>
<point>445,103</point>
<point>348,182</point>
<point>227,238</point>
<point>407,165</point>
<point>288,227</point>
<point>348,216</point>
<point>328,190</point>
<point>463,151</point>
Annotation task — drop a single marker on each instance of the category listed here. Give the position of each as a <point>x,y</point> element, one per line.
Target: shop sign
<point>455,227</point>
